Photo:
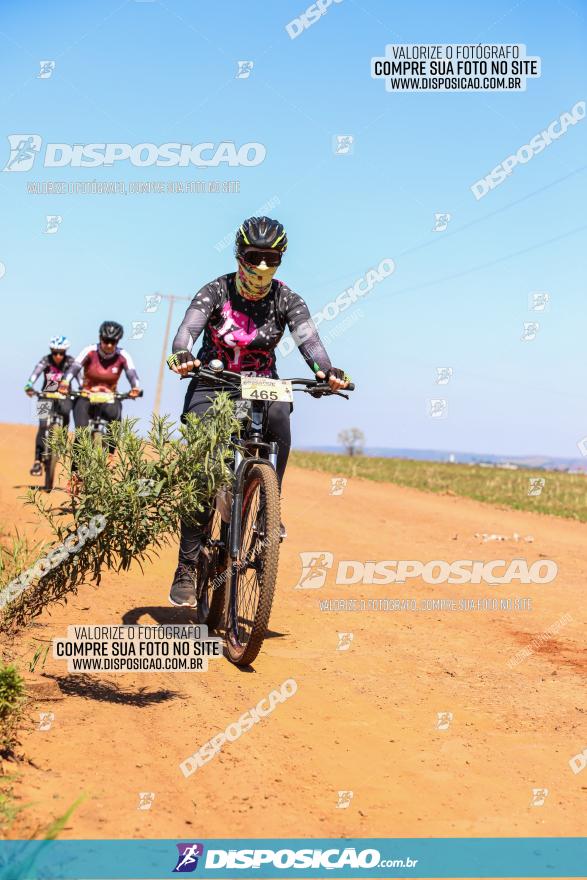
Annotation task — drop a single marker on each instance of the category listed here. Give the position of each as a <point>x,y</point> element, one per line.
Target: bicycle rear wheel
<point>211,575</point>
<point>252,598</point>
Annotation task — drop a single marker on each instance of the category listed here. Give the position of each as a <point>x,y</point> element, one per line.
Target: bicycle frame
<point>254,442</point>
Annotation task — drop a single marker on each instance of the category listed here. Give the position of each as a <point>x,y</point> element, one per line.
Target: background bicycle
<point>104,407</point>
<point>50,416</point>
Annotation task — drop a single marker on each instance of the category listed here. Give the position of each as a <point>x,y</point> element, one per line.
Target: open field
<point>562,494</point>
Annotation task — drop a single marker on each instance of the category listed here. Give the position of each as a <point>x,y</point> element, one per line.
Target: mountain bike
<point>51,418</point>
<point>237,566</point>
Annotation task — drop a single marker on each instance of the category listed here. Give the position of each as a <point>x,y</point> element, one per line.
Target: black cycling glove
<point>337,374</point>
<point>179,358</point>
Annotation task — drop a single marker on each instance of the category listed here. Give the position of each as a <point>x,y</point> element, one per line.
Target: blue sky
<point>160,72</point>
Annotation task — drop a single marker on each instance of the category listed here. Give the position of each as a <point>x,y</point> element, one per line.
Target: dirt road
<point>363,720</point>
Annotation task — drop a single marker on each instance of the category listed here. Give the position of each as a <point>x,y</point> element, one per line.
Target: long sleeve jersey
<point>244,333</point>
<point>52,374</point>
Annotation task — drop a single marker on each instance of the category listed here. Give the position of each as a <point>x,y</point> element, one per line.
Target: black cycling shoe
<point>183,588</point>
<point>37,469</point>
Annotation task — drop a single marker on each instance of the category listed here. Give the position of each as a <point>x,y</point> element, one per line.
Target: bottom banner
<point>351,857</point>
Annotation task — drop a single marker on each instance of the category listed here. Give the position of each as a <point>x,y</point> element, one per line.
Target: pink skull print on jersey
<point>236,333</point>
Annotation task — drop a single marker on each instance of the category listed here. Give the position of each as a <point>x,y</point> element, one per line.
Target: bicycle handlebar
<point>115,394</point>
<point>55,395</point>
<point>49,395</point>
<point>315,387</point>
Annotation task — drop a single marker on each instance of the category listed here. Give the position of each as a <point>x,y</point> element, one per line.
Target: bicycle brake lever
<point>321,392</point>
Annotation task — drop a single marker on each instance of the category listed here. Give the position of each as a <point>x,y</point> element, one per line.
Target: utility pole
<point>172,299</point>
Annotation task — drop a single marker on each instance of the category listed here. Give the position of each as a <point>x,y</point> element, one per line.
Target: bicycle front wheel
<point>211,575</point>
<point>50,465</point>
<point>254,585</point>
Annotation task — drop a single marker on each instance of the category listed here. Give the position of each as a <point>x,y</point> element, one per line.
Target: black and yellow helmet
<point>261,232</point>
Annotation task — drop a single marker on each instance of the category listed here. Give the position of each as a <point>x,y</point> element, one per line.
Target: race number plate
<point>101,397</point>
<point>262,388</point>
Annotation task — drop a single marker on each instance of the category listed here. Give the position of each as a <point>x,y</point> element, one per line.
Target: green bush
<point>141,494</point>
<point>11,700</point>
<point>16,553</point>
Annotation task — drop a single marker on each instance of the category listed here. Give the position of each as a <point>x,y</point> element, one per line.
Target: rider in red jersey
<point>102,366</point>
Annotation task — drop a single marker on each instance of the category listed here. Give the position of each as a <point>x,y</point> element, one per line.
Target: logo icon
<point>138,329</point>
<point>530,330</point>
<point>187,860</point>
<point>443,720</point>
<point>46,71</point>
<point>535,487</point>
<point>43,408</point>
<point>47,719</point>
<point>539,795</point>
<point>578,762</point>
<point>152,302</point>
<point>244,69</point>
<point>438,408</point>
<point>146,799</point>
<point>53,222</point>
<point>344,641</point>
<point>23,151</point>
<point>441,221</point>
<point>314,569</point>
<point>337,485</point>
<point>343,144</point>
<point>344,800</point>
<point>146,487</point>
<point>538,301</point>
<point>443,375</point>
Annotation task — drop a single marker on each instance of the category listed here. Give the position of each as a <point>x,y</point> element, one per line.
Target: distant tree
<point>353,441</point>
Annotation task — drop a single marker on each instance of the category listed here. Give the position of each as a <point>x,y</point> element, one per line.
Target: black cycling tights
<point>84,410</point>
<point>197,401</point>
<point>63,407</point>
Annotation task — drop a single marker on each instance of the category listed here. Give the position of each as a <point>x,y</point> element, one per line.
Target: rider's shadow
<point>174,615</point>
<point>27,486</point>
<point>160,615</point>
<point>111,692</point>
<point>272,634</point>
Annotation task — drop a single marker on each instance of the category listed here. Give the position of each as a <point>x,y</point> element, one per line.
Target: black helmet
<point>111,331</point>
<point>261,232</point>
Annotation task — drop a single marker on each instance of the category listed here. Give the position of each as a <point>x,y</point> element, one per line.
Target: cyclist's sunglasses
<point>58,351</point>
<point>255,257</point>
<point>105,341</point>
